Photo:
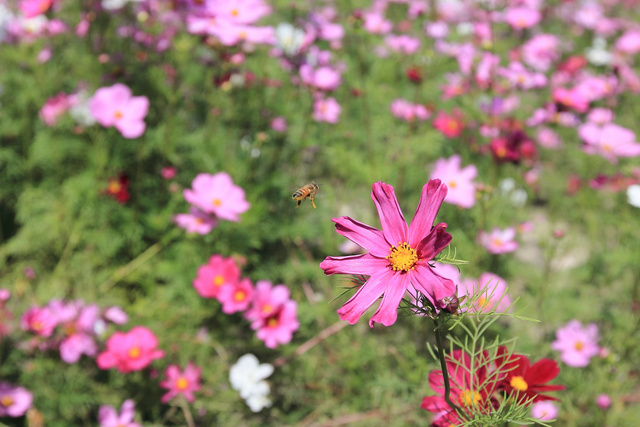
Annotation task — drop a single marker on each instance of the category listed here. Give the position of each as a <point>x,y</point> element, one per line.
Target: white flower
<point>115,4</point>
<point>633,195</point>
<point>289,38</point>
<point>248,377</point>
<point>80,112</point>
<point>598,54</point>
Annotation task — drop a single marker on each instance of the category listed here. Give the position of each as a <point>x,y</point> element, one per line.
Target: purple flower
<point>577,344</point>
<point>115,106</point>
<point>14,400</point>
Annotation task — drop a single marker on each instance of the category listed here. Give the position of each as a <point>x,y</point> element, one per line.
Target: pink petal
<point>434,242</point>
<point>354,264</point>
<point>137,108</point>
<point>394,226</point>
<point>431,284</point>
<point>433,193</point>
<point>387,312</point>
<point>366,296</point>
<point>130,128</point>
<point>364,235</point>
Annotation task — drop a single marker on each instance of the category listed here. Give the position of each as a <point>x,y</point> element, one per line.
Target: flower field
<point>324,213</point>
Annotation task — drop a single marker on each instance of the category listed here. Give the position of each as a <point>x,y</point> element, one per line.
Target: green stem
<point>187,413</point>
<point>443,365</point>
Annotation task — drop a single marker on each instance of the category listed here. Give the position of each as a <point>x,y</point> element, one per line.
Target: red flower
<point>527,381</point>
<point>118,188</point>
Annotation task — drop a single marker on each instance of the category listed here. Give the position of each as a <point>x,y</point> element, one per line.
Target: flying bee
<point>308,191</point>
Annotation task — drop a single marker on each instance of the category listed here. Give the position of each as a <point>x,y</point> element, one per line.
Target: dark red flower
<point>118,188</point>
<point>414,75</point>
<point>524,380</point>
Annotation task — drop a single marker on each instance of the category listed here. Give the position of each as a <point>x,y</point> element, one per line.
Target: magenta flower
<point>217,195</point>
<point>499,241</point>
<point>218,272</point>
<point>14,401</point>
<point>115,106</point>
<point>109,417</point>
<point>178,382</point>
<point>610,141</point>
<point>236,296</point>
<point>39,320</point>
<point>131,351</point>
<point>31,8</point>
<point>603,401</point>
<point>459,181</point>
<point>56,106</point>
<point>577,344</point>
<point>398,255</point>
<point>273,314</point>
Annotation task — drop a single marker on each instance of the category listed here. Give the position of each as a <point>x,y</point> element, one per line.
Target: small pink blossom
<point>218,272</point>
<point>168,172</point>
<point>522,17</point>
<point>491,289</point>
<point>279,124</point>
<point>610,141</point>
<point>403,43</point>
<point>130,351</point>
<point>181,382</point>
<point>31,8</point>
<point>459,181</point>
<point>544,410</point>
<point>273,314</point>
<point>39,320</point>
<point>405,110</point>
<point>499,241</point>
<point>109,417</point>
<point>629,42</point>
<point>322,78</point>
<point>55,107</point>
<point>326,110</point>
<point>218,195</point>
<point>450,125</point>
<point>116,315</point>
<point>115,106</point>
<point>196,222</point>
<point>603,401</point>
<point>14,400</point>
<point>236,296</point>
<point>600,116</point>
<point>577,344</point>
<point>548,138</point>
<point>541,51</point>
<point>375,23</point>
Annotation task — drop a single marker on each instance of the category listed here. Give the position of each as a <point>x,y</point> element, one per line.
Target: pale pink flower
<point>31,8</point>
<point>323,78</point>
<point>230,35</point>
<point>610,141</point>
<point>218,195</point>
<point>459,181</point>
<point>196,221</point>
<point>629,42</point>
<point>499,241</point>
<point>437,29</point>
<point>522,17</point>
<point>589,14</point>
<point>109,417</point>
<point>522,78</point>
<point>541,51</point>
<point>14,400</point>
<point>600,116</point>
<point>398,255</point>
<point>116,315</point>
<point>130,351</point>
<point>375,23</point>
<point>403,43</point>
<point>548,138</point>
<point>492,290</point>
<point>239,11</point>
<point>218,272</point>
<point>544,410</point>
<point>279,124</point>
<point>236,296</point>
<point>577,344</point>
<point>603,401</point>
<point>572,98</point>
<point>181,382</point>
<point>273,314</point>
<point>115,106</point>
<point>55,107</point>
<point>409,112</point>
<point>79,330</point>
<point>326,110</point>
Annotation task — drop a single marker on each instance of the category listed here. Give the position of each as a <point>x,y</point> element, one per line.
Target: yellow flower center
<point>518,383</point>
<point>578,345</point>
<point>235,12</point>
<point>6,401</point>
<point>218,280</point>
<point>272,322</point>
<point>217,202</point>
<point>267,308</point>
<point>468,397</point>
<point>402,257</point>
<point>36,326</point>
<point>118,114</point>
<point>114,187</point>
<point>240,296</point>
<point>182,383</point>
<point>453,184</point>
<point>134,352</point>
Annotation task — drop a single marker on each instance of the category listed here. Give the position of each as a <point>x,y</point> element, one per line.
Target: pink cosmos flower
<point>499,241</point>
<point>218,195</point>
<point>541,51</point>
<point>14,400</point>
<point>196,221</point>
<point>409,112</point>
<point>231,34</point>
<point>610,141</point>
<point>629,42</point>
<point>55,107</point>
<point>323,78</point>
<point>603,401</point>
<point>375,23</point>
<point>548,138</point>
<point>131,351</point>
<point>403,43</point>
<point>577,344</point>
<point>459,181</point>
<point>178,382</point>
<point>522,17</point>
<point>239,11</point>
<point>115,106</point>
<point>39,320</point>
<point>600,116</point>
<point>450,125</point>
<point>236,296</point>
<point>273,314</point>
<point>279,124</point>
<point>544,410</point>
<point>31,8</point>
<point>109,417</point>
<point>218,272</point>
<point>398,256</point>
<point>326,110</point>
<point>79,331</point>
<point>493,290</point>
<point>519,76</point>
